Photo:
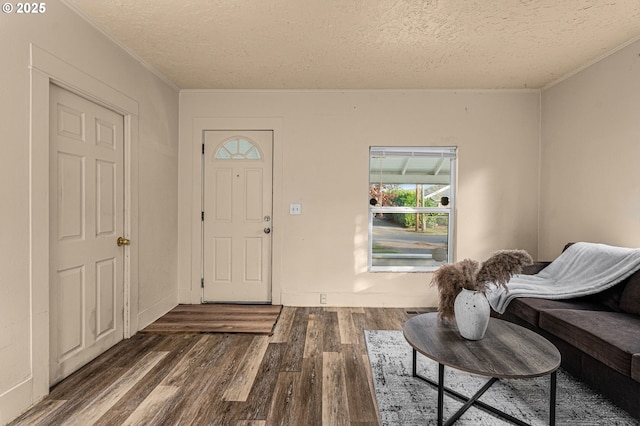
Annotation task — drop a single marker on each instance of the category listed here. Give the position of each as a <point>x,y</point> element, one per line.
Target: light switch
<point>295,208</point>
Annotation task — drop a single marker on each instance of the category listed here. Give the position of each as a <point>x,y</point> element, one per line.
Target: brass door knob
<point>123,242</point>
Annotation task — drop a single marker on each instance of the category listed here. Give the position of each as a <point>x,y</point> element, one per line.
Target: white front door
<point>237,204</point>
<point>86,219</point>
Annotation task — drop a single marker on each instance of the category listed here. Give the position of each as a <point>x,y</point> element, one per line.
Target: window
<point>238,149</point>
<point>411,207</point>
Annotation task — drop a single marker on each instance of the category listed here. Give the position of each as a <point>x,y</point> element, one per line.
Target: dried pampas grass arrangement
<point>451,278</point>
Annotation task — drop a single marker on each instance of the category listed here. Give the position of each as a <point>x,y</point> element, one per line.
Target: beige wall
<point>321,161</point>
<point>590,179</point>
<point>589,147</point>
<point>67,47</point>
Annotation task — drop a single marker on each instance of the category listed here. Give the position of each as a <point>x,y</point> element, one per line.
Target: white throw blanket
<point>582,269</point>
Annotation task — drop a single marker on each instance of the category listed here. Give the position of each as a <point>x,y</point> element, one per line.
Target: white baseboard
<point>12,402</point>
<point>372,300</point>
<point>155,311</point>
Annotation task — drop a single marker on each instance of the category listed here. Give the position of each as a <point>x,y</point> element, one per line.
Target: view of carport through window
<point>411,197</point>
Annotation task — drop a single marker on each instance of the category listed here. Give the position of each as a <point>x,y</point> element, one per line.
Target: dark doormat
<point>217,318</point>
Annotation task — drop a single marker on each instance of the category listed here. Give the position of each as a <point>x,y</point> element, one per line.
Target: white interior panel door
<point>237,204</point>
<point>86,219</point>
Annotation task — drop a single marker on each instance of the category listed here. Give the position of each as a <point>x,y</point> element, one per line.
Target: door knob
<point>123,242</point>
<point>267,230</point>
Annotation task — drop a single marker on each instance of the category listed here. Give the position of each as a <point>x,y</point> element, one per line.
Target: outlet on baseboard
<point>323,298</point>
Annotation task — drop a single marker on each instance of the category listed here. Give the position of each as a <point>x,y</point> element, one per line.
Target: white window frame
<point>447,152</point>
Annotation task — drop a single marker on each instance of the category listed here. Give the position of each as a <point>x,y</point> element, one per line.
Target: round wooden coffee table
<point>508,351</point>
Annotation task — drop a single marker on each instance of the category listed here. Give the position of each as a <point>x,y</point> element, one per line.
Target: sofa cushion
<point>630,298</point>
<point>611,297</point>
<point>610,337</point>
<point>635,367</point>
<point>528,308</point>
<point>534,268</point>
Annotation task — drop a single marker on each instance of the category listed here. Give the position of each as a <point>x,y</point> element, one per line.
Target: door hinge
<point>202,216</point>
<point>203,149</point>
<point>201,282</point>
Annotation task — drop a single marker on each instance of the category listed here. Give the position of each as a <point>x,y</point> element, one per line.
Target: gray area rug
<point>405,400</point>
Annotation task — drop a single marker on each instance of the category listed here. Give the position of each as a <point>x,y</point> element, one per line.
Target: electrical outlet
<point>323,298</point>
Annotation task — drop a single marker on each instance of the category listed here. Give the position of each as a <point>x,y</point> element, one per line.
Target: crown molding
<point>589,64</point>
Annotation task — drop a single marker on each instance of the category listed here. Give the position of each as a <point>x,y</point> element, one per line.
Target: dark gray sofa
<point>598,336</point>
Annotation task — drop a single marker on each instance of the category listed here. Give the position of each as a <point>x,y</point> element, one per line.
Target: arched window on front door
<point>238,149</point>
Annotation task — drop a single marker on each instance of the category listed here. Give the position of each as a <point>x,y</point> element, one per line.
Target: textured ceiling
<point>365,44</point>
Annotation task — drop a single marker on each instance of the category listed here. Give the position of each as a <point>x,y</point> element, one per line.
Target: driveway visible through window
<point>411,199</point>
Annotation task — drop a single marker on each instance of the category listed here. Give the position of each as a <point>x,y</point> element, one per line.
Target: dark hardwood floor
<point>313,370</point>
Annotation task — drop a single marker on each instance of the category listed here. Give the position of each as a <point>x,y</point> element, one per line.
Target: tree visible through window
<point>411,199</point>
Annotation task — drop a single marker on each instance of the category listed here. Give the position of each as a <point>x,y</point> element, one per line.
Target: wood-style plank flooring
<point>313,370</point>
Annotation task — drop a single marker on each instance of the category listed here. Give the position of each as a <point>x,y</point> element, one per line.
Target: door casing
<point>190,208</point>
<point>46,69</point>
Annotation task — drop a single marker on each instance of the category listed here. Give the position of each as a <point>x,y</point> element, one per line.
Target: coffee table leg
<point>415,363</point>
<point>469,401</point>
<point>552,400</point>
<point>440,393</point>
